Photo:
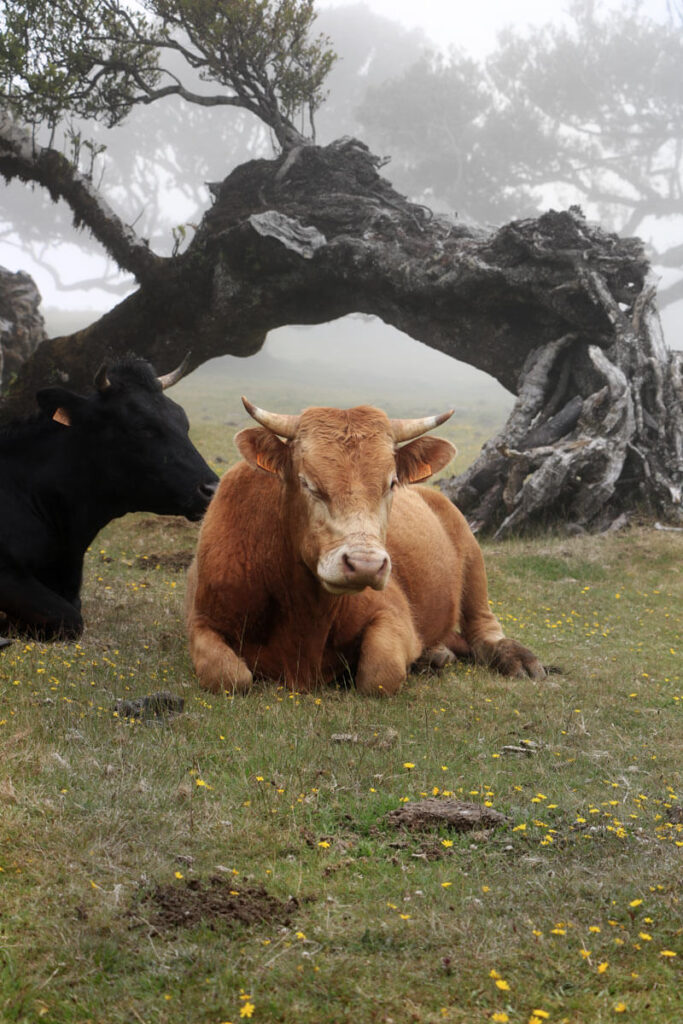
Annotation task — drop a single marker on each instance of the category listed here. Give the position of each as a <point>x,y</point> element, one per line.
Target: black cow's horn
<point>167,380</point>
<point>102,382</point>
<point>282,424</point>
<point>406,430</point>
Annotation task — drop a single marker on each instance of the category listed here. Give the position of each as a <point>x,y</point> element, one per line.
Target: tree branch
<point>21,157</point>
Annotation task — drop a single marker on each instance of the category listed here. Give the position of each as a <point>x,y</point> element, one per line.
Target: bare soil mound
<point>450,813</point>
<point>215,902</point>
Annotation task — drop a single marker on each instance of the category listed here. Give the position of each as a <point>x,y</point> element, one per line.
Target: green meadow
<point>236,861</point>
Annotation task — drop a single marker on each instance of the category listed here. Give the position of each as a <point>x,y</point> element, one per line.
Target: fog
<point>354,360</point>
<point>376,41</point>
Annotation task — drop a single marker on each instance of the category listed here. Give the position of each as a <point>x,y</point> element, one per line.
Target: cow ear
<point>61,405</point>
<point>423,457</point>
<point>262,449</point>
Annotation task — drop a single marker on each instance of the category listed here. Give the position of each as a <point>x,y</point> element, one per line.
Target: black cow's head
<point>133,441</point>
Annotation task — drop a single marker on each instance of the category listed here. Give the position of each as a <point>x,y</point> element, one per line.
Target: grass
<point>570,912</point>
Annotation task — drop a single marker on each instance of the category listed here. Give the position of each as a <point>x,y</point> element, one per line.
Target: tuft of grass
<point>572,910</point>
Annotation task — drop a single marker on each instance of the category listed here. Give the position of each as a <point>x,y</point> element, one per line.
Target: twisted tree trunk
<point>559,312</point>
<point>595,435</point>
<point>22,327</point>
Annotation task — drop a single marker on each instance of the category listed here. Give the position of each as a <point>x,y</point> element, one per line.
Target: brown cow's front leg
<point>483,632</point>
<point>390,645</point>
<point>218,668</point>
<point>510,658</point>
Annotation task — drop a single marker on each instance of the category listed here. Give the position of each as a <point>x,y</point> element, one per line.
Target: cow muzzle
<point>201,499</point>
<point>353,567</point>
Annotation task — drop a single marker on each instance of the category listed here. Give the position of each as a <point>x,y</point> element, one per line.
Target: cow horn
<point>283,424</point>
<point>102,382</point>
<point>406,430</point>
<point>167,380</point>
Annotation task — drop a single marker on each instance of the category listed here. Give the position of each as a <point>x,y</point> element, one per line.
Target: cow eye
<point>394,483</point>
<point>308,486</point>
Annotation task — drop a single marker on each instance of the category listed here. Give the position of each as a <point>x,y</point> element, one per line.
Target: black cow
<point>79,463</point>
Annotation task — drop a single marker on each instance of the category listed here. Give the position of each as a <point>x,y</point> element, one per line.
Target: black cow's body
<point>66,473</point>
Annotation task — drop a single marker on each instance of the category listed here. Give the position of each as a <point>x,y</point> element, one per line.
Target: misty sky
<point>472,27</point>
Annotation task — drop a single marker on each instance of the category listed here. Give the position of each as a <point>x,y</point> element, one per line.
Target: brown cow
<point>315,558</point>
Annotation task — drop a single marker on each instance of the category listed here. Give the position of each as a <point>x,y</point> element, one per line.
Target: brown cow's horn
<point>167,380</point>
<point>406,430</point>
<point>282,424</point>
<point>102,382</point>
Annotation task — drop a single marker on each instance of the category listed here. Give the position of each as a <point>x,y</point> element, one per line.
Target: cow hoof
<point>436,657</point>
<point>380,686</point>
<point>240,682</point>
<point>511,658</point>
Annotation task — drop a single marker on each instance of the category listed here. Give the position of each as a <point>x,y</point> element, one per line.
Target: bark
<point>614,448</point>
<point>561,313</point>
<point>22,327</point>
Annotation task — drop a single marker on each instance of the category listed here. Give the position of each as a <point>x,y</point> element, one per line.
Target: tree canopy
<point>98,59</point>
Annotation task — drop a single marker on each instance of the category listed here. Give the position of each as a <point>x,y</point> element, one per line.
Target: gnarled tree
<point>561,313</point>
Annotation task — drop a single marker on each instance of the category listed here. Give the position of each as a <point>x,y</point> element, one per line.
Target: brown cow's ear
<point>262,449</point>
<point>423,457</point>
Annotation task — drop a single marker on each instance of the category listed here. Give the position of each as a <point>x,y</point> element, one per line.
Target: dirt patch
<point>174,561</point>
<point>216,902</point>
<point>166,523</point>
<point>453,814</point>
<point>380,740</point>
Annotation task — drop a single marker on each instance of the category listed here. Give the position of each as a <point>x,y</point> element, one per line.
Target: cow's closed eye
<point>311,489</point>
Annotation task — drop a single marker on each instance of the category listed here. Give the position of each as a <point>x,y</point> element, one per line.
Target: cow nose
<point>365,566</point>
<point>207,491</point>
